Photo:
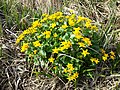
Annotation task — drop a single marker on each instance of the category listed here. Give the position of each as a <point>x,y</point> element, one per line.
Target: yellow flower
<point>66,44</point>
<point>55,67</point>
<point>67,17</point>
<point>43,20</point>
<point>112,57</point>
<point>78,36</point>
<point>55,35</point>
<point>47,36</point>
<point>36,44</point>
<point>88,20</point>
<point>77,29</point>
<point>94,60</point>
<point>94,28</point>
<point>87,41</point>
<point>81,44</point>
<point>85,52</point>
<point>106,55</point>
<point>69,43</point>
<point>70,78</point>
<point>20,37</point>
<point>36,23</point>
<point>58,13</point>
<point>50,17</point>
<point>47,33</point>
<point>53,25</point>
<point>61,48</point>
<point>104,58</point>
<point>30,55</point>
<point>80,19</point>
<point>88,24</point>
<point>73,16</point>
<point>71,22</point>
<point>44,15</point>
<point>24,47</point>
<point>64,26</point>
<point>103,51</point>
<point>55,50</point>
<point>70,67</point>
<point>65,70</point>
<point>38,36</point>
<point>76,32</point>
<point>51,59</point>
<point>75,75</point>
<point>30,30</point>
<point>35,51</point>
<point>60,39</point>
<point>112,53</point>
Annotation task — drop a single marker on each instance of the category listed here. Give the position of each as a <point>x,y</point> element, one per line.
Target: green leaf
<point>43,73</point>
<point>42,53</point>
<point>60,29</point>
<point>118,48</point>
<point>90,75</point>
<point>88,70</point>
<point>66,36</point>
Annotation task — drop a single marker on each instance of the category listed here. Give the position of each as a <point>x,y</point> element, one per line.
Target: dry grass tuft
<point>14,75</point>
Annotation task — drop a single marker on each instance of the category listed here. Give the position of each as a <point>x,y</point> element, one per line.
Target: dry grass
<point>14,75</point>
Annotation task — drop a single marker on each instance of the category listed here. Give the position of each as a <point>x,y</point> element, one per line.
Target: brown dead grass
<point>14,75</point>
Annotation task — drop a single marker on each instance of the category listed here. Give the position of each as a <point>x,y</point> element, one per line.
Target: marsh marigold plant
<point>66,46</point>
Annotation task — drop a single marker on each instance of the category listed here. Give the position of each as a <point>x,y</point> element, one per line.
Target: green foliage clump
<point>66,46</point>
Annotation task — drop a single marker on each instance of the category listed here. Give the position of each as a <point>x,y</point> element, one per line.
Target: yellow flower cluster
<point>65,45</point>
<point>36,24</point>
<point>95,60</point>
<point>63,34</point>
<point>80,19</point>
<point>87,41</point>
<point>30,30</point>
<point>20,37</point>
<point>77,33</point>
<point>88,23</point>
<point>54,16</point>
<point>47,33</point>
<point>112,55</point>
<point>71,74</point>
<point>36,44</point>
<point>105,56</point>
